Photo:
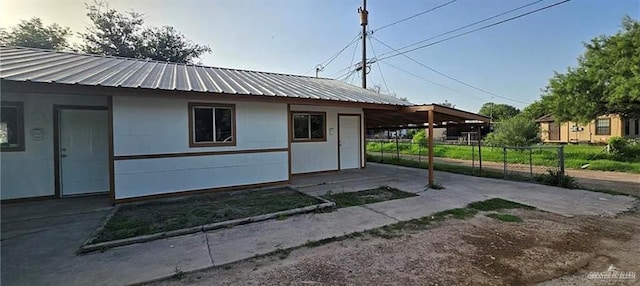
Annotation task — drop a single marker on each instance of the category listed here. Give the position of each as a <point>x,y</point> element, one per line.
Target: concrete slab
<point>39,240</point>
<point>249,240</point>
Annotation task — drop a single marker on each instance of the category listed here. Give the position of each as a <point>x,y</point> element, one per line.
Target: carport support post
<point>480,149</point>
<point>430,115</point>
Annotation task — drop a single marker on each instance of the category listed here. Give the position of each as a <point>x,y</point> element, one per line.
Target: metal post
<point>473,157</point>
<point>480,149</point>
<point>504,160</point>
<point>430,142</point>
<point>530,164</point>
<point>397,149</point>
<point>561,163</point>
<point>419,153</point>
<point>381,151</point>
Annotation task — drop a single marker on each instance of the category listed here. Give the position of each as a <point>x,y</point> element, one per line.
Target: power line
<point>468,25</point>
<point>446,75</point>
<point>472,31</point>
<point>413,16</point>
<point>328,61</point>
<point>431,82</point>
<point>379,69</point>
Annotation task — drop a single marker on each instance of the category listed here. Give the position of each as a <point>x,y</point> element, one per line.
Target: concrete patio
<point>39,239</point>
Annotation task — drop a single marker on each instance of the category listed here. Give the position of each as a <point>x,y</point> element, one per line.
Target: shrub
<point>515,131</point>
<point>555,178</point>
<point>419,138</point>
<point>625,149</point>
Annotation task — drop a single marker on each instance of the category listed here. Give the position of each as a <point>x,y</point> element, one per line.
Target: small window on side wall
<point>309,126</point>
<point>603,126</point>
<point>211,124</point>
<point>11,126</point>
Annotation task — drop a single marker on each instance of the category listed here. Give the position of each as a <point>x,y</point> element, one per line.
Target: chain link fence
<point>543,164</point>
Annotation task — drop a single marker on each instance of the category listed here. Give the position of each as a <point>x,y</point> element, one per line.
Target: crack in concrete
<point>206,239</point>
<point>381,213</point>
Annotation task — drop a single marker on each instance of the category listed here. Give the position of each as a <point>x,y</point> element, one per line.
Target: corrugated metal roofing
<point>36,65</point>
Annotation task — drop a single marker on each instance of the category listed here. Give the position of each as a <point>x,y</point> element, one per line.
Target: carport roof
<point>416,117</point>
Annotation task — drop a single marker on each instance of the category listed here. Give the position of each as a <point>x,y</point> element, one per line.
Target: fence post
<point>397,149</point>
<point>480,155</point>
<point>530,164</point>
<point>419,153</point>
<point>504,161</point>
<point>473,158</point>
<point>561,163</point>
<point>381,152</point>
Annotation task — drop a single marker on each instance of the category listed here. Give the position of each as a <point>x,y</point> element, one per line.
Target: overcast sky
<point>514,60</point>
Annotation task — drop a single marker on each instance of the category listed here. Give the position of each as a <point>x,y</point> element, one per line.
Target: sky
<point>513,61</point>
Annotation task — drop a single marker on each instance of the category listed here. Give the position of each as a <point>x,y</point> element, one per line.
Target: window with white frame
<point>211,124</point>
<point>309,126</point>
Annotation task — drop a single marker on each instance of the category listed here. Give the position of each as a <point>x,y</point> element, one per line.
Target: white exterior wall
<point>30,173</point>
<point>144,126</point>
<point>307,157</point>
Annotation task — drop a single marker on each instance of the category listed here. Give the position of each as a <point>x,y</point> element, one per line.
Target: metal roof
<point>37,65</point>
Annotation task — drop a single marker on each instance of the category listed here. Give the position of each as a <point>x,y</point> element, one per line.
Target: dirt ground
<point>545,248</point>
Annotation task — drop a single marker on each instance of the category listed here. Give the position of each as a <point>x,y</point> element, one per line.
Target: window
<point>11,126</point>
<point>309,126</point>
<point>211,124</point>
<point>627,128</point>
<point>637,125</point>
<point>603,126</point>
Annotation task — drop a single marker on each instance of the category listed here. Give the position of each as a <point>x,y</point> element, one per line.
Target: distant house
<point>596,131</point>
<point>78,124</point>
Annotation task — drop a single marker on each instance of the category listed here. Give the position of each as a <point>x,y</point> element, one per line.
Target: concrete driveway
<point>39,240</point>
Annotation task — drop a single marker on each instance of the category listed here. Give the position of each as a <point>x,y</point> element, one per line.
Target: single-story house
<point>77,124</point>
<point>598,130</point>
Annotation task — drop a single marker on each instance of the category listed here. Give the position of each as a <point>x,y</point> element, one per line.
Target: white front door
<point>84,152</point>
<point>349,141</point>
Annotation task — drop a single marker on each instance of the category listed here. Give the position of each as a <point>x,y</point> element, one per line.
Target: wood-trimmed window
<point>11,126</point>
<point>309,126</point>
<point>603,126</point>
<point>212,124</point>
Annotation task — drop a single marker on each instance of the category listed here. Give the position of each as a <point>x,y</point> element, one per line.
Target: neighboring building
<point>596,131</point>
<point>77,124</point>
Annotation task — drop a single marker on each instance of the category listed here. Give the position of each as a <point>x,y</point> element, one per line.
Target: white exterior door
<point>84,152</point>
<point>349,141</point>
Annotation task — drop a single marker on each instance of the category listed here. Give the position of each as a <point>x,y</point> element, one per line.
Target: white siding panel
<point>307,157</point>
<point>145,177</point>
<point>145,125</point>
<point>31,173</point>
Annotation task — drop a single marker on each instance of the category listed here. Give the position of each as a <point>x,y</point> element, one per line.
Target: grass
<point>166,215</point>
<point>497,204</point>
<point>575,155</point>
<point>504,217</point>
<point>379,194</point>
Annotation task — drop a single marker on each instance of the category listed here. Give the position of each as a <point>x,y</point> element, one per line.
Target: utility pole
<point>364,19</point>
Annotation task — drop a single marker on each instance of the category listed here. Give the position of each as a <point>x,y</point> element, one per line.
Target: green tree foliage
<point>448,104</point>
<point>515,131</point>
<point>34,34</point>
<point>606,80</point>
<point>536,110</point>
<point>498,111</point>
<point>420,137</point>
<point>123,34</point>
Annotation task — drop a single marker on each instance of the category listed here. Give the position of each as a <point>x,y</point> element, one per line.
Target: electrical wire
<point>467,26</point>
<point>446,75</point>
<point>474,30</point>
<point>432,82</point>
<point>328,61</point>
<point>413,16</point>
<point>379,69</point>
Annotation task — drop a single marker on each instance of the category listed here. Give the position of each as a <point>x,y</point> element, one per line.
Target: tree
<point>34,34</point>
<point>448,104</point>
<point>606,80</point>
<point>515,131</point>
<point>123,34</point>
<point>498,112</point>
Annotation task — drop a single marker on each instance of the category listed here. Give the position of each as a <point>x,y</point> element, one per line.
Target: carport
<point>423,116</point>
